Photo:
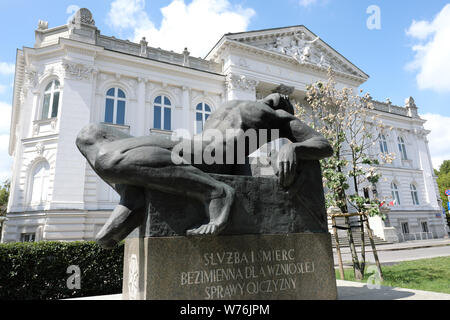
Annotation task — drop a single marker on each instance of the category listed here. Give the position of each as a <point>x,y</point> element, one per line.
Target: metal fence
<point>402,237</point>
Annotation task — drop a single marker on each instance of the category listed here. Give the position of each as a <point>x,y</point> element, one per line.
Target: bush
<point>38,271</point>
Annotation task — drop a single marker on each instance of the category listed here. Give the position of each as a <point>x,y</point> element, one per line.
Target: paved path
<point>393,253</point>
<point>348,290</point>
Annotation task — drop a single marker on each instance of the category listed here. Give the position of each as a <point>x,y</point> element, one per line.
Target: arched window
<point>51,100</point>
<point>202,113</point>
<point>38,185</point>
<point>162,113</point>
<point>414,195</point>
<point>115,106</point>
<point>383,144</point>
<point>395,194</point>
<point>402,148</point>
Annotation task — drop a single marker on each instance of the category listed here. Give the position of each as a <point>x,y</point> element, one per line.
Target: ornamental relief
<point>31,77</point>
<point>107,81</point>
<point>238,82</point>
<point>305,50</point>
<point>77,71</point>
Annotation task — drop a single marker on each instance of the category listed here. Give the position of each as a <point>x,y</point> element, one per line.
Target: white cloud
<point>5,117</point>
<point>438,138</point>
<point>197,25</point>
<point>5,159</point>
<point>432,59</point>
<point>7,68</point>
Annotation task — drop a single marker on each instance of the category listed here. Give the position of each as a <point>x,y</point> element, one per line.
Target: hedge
<point>38,271</point>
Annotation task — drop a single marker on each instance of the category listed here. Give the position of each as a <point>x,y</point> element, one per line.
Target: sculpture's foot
<point>206,229</point>
<point>110,235</point>
<point>219,211</point>
<point>107,243</point>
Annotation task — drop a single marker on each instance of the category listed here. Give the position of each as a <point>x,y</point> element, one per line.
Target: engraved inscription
<point>230,274</point>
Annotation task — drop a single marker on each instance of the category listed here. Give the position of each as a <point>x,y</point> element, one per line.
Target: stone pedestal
<point>261,206</point>
<point>276,244</point>
<point>244,267</point>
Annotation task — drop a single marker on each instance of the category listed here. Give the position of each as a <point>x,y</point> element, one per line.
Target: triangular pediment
<point>300,44</point>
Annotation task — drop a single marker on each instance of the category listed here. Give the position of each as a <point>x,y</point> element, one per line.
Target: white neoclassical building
<point>74,75</point>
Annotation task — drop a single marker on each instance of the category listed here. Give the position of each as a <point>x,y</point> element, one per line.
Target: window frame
<point>405,227</point>
<point>383,143</point>
<point>51,91</point>
<point>163,108</point>
<point>28,237</point>
<point>402,148</point>
<point>31,186</point>
<point>424,224</point>
<point>204,114</point>
<point>414,194</point>
<point>116,99</point>
<point>395,194</point>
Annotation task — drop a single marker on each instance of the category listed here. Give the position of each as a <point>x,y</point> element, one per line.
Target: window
<point>162,113</point>
<point>27,237</point>
<point>405,228</point>
<point>366,193</point>
<point>414,195</point>
<point>115,106</point>
<point>424,225</point>
<point>395,194</point>
<point>51,100</point>
<point>39,183</point>
<point>202,113</point>
<point>383,144</point>
<point>402,148</point>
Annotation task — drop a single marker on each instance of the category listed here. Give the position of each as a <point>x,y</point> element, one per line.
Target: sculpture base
<point>295,266</point>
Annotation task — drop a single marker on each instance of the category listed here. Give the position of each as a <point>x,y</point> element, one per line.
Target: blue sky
<point>383,53</point>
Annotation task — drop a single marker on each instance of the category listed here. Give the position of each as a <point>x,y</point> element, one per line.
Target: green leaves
<point>443,182</point>
<point>4,195</point>
<point>347,121</point>
<point>37,271</point>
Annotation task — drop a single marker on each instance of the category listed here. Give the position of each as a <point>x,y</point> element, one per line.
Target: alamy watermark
<point>214,146</point>
<point>374,280</point>
<point>374,20</point>
<point>74,280</point>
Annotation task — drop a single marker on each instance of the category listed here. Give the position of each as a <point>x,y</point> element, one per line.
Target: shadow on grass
<point>364,293</point>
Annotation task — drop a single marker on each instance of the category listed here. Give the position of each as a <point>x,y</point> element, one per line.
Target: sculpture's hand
<point>287,165</point>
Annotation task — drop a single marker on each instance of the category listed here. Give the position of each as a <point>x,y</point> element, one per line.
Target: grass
<point>426,274</point>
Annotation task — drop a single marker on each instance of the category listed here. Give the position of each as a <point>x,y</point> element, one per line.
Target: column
<point>240,87</point>
<point>186,105</point>
<point>139,115</point>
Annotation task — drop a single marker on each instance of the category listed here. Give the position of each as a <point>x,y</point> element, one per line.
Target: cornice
<point>228,44</point>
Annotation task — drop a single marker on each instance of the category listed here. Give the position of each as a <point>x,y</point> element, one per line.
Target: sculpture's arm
<point>307,144</point>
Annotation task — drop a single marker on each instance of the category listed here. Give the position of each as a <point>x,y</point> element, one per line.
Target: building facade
<point>74,75</point>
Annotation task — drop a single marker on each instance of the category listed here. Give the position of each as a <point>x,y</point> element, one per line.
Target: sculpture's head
<point>92,136</point>
<point>278,101</point>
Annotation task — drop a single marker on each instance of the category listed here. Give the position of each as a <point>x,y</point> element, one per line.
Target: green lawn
<point>427,274</point>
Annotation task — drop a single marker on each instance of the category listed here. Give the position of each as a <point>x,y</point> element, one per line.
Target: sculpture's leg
<point>153,168</point>
<point>126,216</point>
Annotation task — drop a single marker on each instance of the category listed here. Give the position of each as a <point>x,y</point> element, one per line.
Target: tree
<point>347,121</point>
<point>445,167</point>
<point>4,196</point>
<point>443,182</point>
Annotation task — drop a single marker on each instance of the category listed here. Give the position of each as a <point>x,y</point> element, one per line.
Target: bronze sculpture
<point>132,165</point>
